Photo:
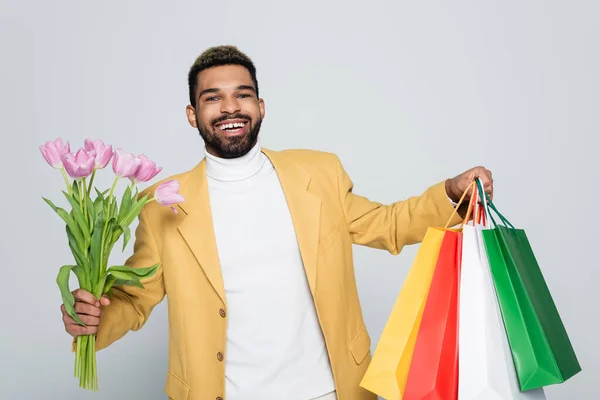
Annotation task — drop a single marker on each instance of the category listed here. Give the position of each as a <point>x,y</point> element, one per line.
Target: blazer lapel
<point>197,227</point>
<point>305,209</point>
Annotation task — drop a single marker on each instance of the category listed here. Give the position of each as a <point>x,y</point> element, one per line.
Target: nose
<point>230,105</point>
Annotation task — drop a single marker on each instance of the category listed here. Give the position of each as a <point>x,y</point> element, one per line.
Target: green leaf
<point>80,274</point>
<point>76,190</point>
<point>50,203</point>
<point>77,215</point>
<point>90,214</point>
<point>125,282</point>
<point>123,275</point>
<point>100,198</point>
<point>68,300</point>
<point>98,206</point>
<point>99,288</point>
<point>141,273</point>
<point>126,235</point>
<point>135,211</point>
<point>109,239</point>
<point>82,260</point>
<point>125,203</point>
<point>96,249</point>
<point>71,224</point>
<point>114,209</point>
<point>110,281</point>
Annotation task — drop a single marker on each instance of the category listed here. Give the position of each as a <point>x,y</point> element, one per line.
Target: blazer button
<point>219,398</point>
<point>220,356</point>
<point>222,313</point>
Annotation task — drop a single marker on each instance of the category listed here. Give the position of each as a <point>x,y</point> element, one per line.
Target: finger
<point>486,181</point>
<point>89,320</point>
<point>86,297</point>
<point>83,308</point>
<point>68,320</point>
<point>78,330</point>
<point>105,301</point>
<point>66,317</point>
<point>85,318</point>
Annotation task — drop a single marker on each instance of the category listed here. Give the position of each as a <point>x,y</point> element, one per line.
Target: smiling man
<point>258,265</point>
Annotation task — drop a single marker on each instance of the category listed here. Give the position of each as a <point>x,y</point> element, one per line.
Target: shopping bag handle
<point>488,203</point>
<point>472,186</point>
<point>478,216</point>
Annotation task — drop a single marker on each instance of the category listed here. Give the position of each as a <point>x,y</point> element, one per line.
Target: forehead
<point>224,77</point>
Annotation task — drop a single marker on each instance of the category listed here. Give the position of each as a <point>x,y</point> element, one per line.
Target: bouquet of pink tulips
<point>93,227</point>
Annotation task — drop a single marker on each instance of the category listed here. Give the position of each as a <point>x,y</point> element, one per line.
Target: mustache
<point>231,116</point>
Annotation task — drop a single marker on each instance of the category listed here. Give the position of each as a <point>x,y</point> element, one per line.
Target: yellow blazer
<point>328,218</point>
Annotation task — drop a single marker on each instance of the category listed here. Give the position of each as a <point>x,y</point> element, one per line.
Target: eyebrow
<point>217,90</point>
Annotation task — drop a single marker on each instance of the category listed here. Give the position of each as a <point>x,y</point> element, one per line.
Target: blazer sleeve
<point>131,306</point>
<point>392,226</point>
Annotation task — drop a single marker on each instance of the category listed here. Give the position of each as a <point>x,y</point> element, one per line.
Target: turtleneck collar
<point>235,169</point>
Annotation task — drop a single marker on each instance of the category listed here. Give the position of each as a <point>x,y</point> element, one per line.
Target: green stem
<point>64,174</point>
<point>102,266</point>
<point>84,200</point>
<point>91,182</point>
<point>82,361</point>
<point>79,185</point>
<point>90,366</point>
<point>78,358</point>
<point>95,373</point>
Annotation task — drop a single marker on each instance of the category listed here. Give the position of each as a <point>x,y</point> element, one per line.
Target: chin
<point>234,146</point>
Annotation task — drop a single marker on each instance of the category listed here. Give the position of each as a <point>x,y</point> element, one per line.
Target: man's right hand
<point>89,310</point>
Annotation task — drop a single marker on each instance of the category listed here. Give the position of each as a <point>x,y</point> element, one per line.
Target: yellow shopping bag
<point>388,370</point>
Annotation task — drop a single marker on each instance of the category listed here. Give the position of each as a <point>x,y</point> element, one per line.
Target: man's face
<point>228,113</point>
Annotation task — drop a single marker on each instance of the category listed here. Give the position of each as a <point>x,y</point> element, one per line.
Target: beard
<point>234,146</point>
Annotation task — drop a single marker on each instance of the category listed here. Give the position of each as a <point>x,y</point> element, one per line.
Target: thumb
<point>104,300</point>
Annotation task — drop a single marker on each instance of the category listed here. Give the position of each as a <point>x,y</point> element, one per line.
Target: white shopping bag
<point>486,368</point>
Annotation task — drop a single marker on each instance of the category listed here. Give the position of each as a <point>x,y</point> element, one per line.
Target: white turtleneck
<point>275,347</point>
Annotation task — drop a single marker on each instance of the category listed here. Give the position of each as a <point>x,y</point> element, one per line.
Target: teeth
<point>231,126</point>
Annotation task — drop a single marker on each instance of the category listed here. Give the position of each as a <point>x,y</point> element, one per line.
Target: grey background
<point>406,93</point>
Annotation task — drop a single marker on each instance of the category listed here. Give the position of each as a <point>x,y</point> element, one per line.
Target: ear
<point>191,115</point>
<point>261,105</point>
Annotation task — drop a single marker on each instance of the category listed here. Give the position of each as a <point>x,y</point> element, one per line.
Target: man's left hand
<point>456,186</point>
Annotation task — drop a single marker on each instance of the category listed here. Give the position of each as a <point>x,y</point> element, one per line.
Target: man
<point>258,262</point>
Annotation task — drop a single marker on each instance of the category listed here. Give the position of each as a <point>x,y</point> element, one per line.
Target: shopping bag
<point>433,372</point>
<point>486,370</point>
<point>387,371</point>
<point>541,349</point>
<point>389,367</point>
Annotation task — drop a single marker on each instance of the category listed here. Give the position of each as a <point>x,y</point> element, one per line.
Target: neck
<point>235,169</point>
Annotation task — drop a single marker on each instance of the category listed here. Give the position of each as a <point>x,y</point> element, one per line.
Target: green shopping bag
<point>542,352</point>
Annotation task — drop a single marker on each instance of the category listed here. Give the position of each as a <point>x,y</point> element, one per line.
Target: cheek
<point>254,111</point>
<point>205,117</point>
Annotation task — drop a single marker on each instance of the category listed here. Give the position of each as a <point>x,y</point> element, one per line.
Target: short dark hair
<point>215,57</point>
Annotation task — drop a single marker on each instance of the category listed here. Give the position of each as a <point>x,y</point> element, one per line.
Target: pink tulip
<point>53,152</point>
<point>125,164</point>
<point>166,194</point>
<point>103,153</point>
<point>79,165</point>
<point>146,171</point>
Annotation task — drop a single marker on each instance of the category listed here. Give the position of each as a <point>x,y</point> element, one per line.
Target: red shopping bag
<point>433,373</point>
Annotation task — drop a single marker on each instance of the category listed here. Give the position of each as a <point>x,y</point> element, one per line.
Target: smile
<point>231,128</point>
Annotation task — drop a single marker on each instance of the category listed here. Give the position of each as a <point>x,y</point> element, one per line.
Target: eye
<point>213,98</point>
<point>244,95</point>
